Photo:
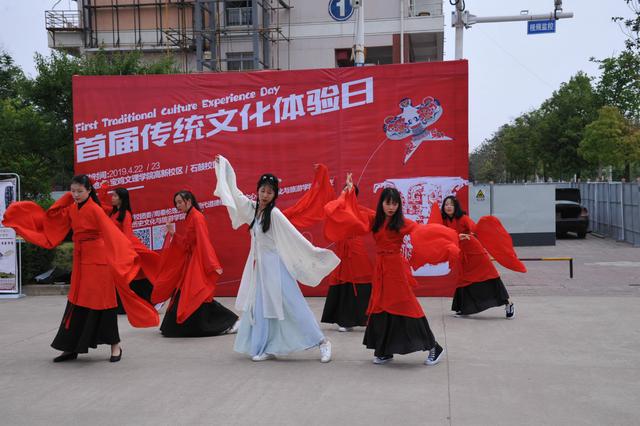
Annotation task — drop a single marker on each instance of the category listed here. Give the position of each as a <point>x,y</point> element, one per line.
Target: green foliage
<point>20,127</point>
<point>631,26</point>
<point>63,257</point>
<point>35,260</point>
<point>36,115</point>
<point>604,139</point>
<point>563,118</point>
<point>11,77</point>
<point>619,84</point>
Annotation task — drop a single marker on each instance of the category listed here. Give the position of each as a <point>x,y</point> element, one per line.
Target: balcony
<point>64,30</point>
<point>62,20</point>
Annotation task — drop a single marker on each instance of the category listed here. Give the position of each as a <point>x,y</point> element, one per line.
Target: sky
<point>510,72</point>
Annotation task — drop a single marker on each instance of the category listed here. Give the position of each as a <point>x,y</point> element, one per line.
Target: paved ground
<point>571,356</point>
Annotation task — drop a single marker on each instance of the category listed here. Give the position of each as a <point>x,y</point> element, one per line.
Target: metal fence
<point>614,208</point>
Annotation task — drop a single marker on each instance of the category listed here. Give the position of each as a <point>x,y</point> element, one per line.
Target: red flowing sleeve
<point>435,217</point>
<point>433,243</point>
<point>345,218</point>
<point>310,207</point>
<point>497,241</point>
<point>124,265</point>
<point>149,259</point>
<point>105,199</point>
<point>44,229</point>
<point>173,260</point>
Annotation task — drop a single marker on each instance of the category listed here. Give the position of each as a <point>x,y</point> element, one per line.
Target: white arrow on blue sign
<point>541,27</point>
<point>340,10</point>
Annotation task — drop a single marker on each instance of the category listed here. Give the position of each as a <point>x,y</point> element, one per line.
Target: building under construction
<point>222,35</point>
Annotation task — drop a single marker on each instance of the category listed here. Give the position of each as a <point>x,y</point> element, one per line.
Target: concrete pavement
<point>571,356</point>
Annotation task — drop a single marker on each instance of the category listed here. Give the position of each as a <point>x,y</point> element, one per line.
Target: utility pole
<point>358,49</point>
<point>461,19</point>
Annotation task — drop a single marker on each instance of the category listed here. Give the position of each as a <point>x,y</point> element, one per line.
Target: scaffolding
<point>220,22</point>
<point>211,29</point>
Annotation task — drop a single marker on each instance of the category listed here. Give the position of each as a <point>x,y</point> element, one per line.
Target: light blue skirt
<point>298,331</point>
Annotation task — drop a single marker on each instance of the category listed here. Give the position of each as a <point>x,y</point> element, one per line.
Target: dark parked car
<point>571,216</point>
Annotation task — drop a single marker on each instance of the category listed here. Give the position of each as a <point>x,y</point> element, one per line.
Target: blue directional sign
<point>541,27</point>
<point>340,10</point>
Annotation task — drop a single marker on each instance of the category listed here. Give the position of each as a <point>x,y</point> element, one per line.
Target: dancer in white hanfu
<point>276,319</point>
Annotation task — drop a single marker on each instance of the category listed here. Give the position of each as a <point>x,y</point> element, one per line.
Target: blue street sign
<point>340,10</point>
<point>541,27</point>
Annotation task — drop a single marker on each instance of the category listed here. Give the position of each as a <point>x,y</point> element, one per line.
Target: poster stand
<point>10,245</point>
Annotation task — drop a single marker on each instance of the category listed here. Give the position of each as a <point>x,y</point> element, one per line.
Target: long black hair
<point>397,220</point>
<point>457,210</point>
<point>85,181</point>
<point>266,179</point>
<point>125,204</point>
<point>187,196</point>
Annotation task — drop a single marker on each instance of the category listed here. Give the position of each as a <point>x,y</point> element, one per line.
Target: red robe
<point>475,263</point>
<point>392,278</point>
<point>189,265</point>
<point>103,257</point>
<point>355,266</point>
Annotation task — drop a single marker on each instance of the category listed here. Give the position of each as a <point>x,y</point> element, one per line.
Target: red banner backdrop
<point>392,125</point>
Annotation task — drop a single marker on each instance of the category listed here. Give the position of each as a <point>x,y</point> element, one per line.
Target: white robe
<point>306,263</point>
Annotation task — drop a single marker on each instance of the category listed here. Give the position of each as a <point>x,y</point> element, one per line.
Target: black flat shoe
<point>116,358</point>
<point>66,357</point>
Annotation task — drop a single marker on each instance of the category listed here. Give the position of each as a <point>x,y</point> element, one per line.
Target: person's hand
<point>219,271</point>
<point>349,180</point>
<point>465,237</point>
<point>171,228</point>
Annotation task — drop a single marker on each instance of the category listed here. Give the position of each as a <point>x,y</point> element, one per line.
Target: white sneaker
<point>263,357</point>
<point>435,355</point>
<point>382,359</point>
<point>234,328</point>
<point>325,351</point>
<point>510,310</point>
<point>343,329</point>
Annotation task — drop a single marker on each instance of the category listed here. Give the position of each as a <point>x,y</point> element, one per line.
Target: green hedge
<point>35,260</point>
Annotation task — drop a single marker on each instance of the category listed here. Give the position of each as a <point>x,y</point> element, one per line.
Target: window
<point>239,61</point>
<point>238,13</point>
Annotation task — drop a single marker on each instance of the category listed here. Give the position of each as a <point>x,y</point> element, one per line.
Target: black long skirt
<point>346,307</point>
<point>142,288</point>
<point>480,296</point>
<point>210,319</point>
<point>87,328</point>
<point>389,334</point>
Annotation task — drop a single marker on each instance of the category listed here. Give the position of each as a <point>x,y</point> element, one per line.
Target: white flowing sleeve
<point>305,262</point>
<point>241,209</point>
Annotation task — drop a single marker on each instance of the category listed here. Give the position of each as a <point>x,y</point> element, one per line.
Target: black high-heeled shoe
<point>66,357</point>
<point>116,358</point>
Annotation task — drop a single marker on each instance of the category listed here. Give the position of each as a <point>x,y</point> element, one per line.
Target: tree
<point>50,93</point>
<point>11,77</point>
<point>563,118</point>
<point>519,142</point>
<point>20,125</point>
<point>631,26</point>
<point>619,84</point>
<point>486,163</point>
<point>610,141</point>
